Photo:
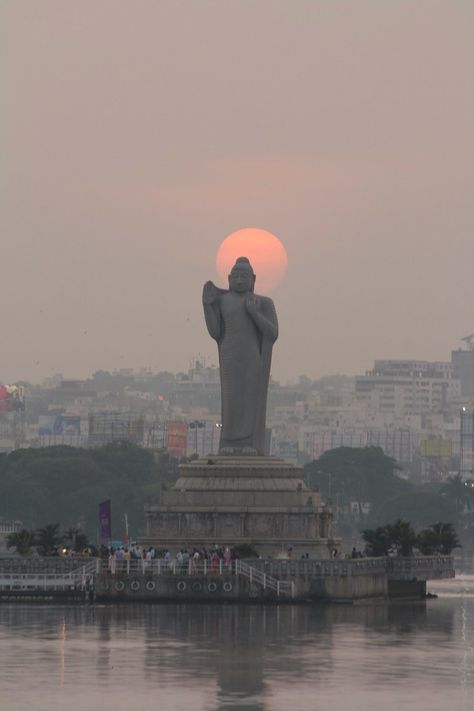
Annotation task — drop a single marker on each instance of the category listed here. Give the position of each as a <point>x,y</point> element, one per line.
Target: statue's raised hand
<point>252,303</point>
<point>210,293</point>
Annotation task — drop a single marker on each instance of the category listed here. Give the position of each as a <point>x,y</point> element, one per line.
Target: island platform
<point>257,581</point>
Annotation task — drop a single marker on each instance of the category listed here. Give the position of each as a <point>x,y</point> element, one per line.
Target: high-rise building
<point>407,387</point>
<point>463,365</point>
<point>467,443</point>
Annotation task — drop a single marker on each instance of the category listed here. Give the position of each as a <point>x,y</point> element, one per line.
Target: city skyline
<point>200,361</point>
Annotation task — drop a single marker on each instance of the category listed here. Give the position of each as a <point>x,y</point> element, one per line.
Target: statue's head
<point>242,277</point>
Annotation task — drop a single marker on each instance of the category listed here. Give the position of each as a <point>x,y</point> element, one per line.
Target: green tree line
<point>400,538</point>
<point>66,484</point>
<point>47,539</point>
<point>367,475</point>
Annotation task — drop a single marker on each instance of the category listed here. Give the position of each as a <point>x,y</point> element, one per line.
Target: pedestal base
<point>231,501</point>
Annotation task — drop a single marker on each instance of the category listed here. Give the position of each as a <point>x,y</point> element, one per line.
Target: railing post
<point>220,566</point>
<point>205,566</point>
<point>128,567</point>
<point>190,563</point>
<point>278,588</point>
<point>264,581</point>
<point>250,576</point>
<point>174,567</point>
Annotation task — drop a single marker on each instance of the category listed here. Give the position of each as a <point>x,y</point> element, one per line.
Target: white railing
<point>421,568</point>
<point>57,565</point>
<point>36,581</point>
<point>80,579</point>
<point>164,567</point>
<point>198,568</point>
<point>84,576</point>
<point>253,575</point>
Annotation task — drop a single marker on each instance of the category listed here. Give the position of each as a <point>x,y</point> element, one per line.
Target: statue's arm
<point>212,314</point>
<point>213,320</point>
<point>263,313</point>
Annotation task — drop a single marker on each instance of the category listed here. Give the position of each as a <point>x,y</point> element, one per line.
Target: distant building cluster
<point>420,413</point>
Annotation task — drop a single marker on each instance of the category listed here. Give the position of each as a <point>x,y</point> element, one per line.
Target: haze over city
<point>216,493</point>
<point>136,138</point>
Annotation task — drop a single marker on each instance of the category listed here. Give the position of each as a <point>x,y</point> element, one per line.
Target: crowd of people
<point>216,558</point>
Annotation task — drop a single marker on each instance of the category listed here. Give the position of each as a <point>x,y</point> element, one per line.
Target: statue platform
<point>229,500</point>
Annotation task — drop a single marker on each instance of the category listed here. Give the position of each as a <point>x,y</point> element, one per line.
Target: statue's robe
<point>244,358</point>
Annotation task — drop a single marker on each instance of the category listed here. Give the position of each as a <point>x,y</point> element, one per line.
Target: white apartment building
<point>408,387</point>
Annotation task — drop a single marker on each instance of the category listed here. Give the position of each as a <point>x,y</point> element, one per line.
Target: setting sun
<point>265,251</point>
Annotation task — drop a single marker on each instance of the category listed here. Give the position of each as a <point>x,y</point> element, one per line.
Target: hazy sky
<point>136,135</point>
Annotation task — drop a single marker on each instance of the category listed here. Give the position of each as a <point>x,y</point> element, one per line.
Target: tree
<point>47,538</point>
<point>438,538</point>
<point>356,474</point>
<point>36,484</point>
<point>427,542</point>
<point>377,542</point>
<point>77,538</point>
<point>460,492</point>
<point>23,541</point>
<point>400,535</point>
<point>419,505</point>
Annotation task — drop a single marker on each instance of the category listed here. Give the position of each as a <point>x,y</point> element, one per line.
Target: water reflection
<point>246,658</point>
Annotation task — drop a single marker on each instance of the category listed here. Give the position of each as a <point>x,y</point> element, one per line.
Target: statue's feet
<point>225,451</point>
<point>238,451</point>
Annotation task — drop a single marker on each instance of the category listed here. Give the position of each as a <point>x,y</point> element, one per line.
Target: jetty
<point>243,581</point>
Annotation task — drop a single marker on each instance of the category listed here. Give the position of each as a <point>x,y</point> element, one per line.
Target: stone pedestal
<point>261,501</point>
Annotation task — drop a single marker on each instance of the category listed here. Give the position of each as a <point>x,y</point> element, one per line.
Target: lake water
<point>247,658</point>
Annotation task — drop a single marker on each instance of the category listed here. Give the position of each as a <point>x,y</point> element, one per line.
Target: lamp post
<point>217,429</point>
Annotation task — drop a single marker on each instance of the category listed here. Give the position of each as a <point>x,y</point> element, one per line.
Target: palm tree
<point>458,491</point>
<point>399,534</point>
<point>23,541</point>
<point>47,538</point>
<point>402,535</point>
<point>427,542</point>
<point>377,542</point>
<point>77,538</point>
<point>444,537</point>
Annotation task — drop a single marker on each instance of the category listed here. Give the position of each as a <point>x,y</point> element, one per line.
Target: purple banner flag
<point>105,522</point>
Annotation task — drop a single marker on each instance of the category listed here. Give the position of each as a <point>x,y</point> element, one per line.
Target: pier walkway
<point>346,580</point>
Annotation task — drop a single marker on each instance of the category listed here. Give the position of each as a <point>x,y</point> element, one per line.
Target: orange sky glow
<point>133,142</point>
<point>265,252</point>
